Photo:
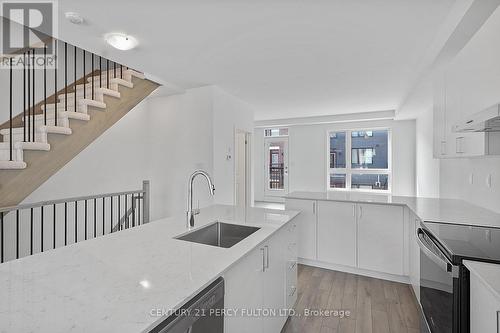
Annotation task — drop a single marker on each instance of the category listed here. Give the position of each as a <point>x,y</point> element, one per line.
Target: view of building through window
<point>368,154</point>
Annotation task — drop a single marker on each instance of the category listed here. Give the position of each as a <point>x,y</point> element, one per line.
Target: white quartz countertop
<point>113,283</point>
<point>488,273</point>
<point>427,209</point>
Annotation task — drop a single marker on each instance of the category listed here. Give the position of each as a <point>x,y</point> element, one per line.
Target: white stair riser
<point>19,137</point>
<point>17,155</point>
<point>60,108</point>
<point>113,85</point>
<point>40,121</point>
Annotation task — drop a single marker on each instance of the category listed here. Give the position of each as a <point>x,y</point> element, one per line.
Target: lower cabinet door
<point>243,292</point>
<point>381,238</point>
<point>274,279</point>
<point>306,224</point>
<point>337,233</point>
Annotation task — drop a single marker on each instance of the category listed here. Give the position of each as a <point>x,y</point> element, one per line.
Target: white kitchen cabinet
<point>337,232</point>
<point>484,307</point>
<point>307,224</point>
<point>291,265</point>
<point>261,281</point>
<point>414,256</point>
<point>381,238</point>
<point>274,281</point>
<point>448,112</point>
<point>243,290</point>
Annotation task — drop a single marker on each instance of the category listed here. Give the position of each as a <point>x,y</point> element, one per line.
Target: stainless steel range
<point>444,280</point>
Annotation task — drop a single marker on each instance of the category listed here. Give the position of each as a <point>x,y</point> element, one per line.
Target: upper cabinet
<point>449,110</point>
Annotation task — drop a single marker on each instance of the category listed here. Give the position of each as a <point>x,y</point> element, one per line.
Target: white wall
<point>230,114</point>
<point>427,168</point>
<point>163,139</point>
<point>474,83</point>
<point>308,155</point>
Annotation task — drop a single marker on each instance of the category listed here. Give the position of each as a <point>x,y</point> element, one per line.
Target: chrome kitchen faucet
<point>190,211</point>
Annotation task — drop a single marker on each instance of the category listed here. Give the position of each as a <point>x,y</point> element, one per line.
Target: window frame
<point>348,170</point>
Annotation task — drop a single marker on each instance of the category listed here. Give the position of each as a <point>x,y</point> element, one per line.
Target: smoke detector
<point>74,18</point>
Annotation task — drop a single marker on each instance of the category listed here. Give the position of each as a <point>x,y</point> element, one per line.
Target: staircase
<point>46,135</point>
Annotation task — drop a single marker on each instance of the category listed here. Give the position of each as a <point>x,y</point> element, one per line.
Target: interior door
<point>276,167</point>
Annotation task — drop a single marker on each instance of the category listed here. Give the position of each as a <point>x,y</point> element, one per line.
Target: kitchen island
<point>116,283</point>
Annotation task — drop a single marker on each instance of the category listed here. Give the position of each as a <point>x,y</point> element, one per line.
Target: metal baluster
<point>114,69</point>
<point>65,76</point>
<point>65,223</point>
<point>31,231</point>
<point>111,217</point>
<point>33,96</point>
<point>95,216</point>
<point>107,73</point>
<point>1,237</point>
<point>84,80</point>
<point>17,234</point>
<point>28,63</point>
<point>45,84</point>
<point>92,76</point>
<point>54,227</point>
<point>74,82</point>
<point>24,96</point>
<point>139,208</point>
<point>126,212</point>
<point>76,221</point>
<point>121,71</point>
<point>119,213</point>
<point>100,72</point>
<point>10,110</point>
<point>55,84</point>
<point>133,210</point>
<point>41,229</point>
<point>85,219</point>
<point>103,213</point>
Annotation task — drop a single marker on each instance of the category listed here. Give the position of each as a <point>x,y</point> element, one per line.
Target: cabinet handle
<point>263,259</point>
<point>360,211</point>
<point>267,255</point>
<point>314,207</point>
<point>354,210</point>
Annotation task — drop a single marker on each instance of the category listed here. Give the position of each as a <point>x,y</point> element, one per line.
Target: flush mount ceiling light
<point>74,18</point>
<point>121,41</point>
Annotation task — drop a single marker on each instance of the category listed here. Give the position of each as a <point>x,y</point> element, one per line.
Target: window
<point>359,160</point>
<point>273,132</point>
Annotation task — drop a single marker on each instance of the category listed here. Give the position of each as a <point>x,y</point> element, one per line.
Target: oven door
<point>438,280</point>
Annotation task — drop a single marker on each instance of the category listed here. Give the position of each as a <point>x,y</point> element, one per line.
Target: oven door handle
<point>445,265</point>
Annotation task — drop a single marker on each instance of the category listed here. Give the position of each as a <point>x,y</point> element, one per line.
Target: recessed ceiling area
<point>286,58</point>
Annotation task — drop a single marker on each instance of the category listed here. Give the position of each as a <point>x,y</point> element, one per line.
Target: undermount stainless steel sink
<point>219,234</point>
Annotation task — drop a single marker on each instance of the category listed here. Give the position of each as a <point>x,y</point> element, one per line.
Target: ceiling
<point>287,58</point>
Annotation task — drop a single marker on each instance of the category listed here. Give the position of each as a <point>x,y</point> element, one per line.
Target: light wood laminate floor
<point>375,305</point>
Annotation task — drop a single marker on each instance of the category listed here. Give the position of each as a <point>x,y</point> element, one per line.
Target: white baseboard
<point>354,270</point>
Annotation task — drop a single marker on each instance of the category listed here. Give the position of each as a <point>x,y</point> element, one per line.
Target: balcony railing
<point>276,176</point>
<point>28,229</point>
